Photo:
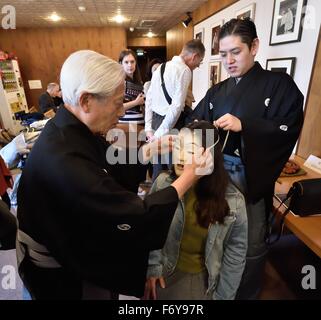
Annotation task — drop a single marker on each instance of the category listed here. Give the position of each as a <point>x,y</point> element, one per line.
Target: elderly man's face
<point>105,112</point>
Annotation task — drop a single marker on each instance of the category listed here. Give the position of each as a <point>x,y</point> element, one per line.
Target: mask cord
<point>225,141</point>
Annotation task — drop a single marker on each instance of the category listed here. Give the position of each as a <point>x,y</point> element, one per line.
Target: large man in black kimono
<point>81,234</point>
<point>261,111</point>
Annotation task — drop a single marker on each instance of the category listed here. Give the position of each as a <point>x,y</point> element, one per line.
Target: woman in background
<point>134,95</point>
<point>132,123</point>
<point>153,65</point>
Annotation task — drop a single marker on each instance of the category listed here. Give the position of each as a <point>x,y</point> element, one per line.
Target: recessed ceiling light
<point>82,8</point>
<point>150,34</point>
<point>119,18</point>
<point>54,17</point>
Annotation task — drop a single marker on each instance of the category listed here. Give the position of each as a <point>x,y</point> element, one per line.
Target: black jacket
<point>69,203</point>
<point>46,102</point>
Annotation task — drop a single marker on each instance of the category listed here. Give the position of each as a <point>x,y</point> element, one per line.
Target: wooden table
<point>307,229</point>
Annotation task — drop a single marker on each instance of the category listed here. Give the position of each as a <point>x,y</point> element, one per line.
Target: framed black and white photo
<point>286,65</point>
<point>214,73</point>
<point>246,12</point>
<point>215,30</point>
<point>199,34</point>
<point>287,21</point>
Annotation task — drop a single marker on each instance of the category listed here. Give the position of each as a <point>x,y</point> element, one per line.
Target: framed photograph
<point>199,34</point>
<point>246,12</point>
<point>215,30</point>
<point>214,73</point>
<point>287,21</point>
<point>286,65</point>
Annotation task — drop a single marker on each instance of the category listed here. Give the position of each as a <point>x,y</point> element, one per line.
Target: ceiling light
<point>150,34</point>
<point>131,29</point>
<point>188,20</point>
<point>54,17</point>
<point>82,8</point>
<point>119,18</point>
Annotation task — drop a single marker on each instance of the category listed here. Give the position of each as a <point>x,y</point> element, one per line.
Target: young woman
<point>131,124</point>
<point>134,96</point>
<point>204,254</point>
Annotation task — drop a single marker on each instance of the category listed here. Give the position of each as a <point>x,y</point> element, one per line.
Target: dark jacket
<point>46,102</point>
<point>70,202</point>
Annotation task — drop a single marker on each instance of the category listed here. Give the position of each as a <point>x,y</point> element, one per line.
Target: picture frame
<point>214,45</point>
<point>287,21</point>
<point>214,73</point>
<point>199,34</point>
<point>246,12</point>
<point>281,65</point>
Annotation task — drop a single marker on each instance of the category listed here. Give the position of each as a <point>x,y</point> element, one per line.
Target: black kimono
<point>69,201</point>
<point>270,107</point>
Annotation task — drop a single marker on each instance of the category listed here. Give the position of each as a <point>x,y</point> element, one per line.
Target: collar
<point>178,59</point>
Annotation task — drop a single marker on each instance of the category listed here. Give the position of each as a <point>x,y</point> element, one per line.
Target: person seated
<point>204,254</point>
<point>58,99</point>
<point>46,100</point>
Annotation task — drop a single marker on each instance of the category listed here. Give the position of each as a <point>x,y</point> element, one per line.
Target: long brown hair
<point>136,76</point>
<point>211,205</point>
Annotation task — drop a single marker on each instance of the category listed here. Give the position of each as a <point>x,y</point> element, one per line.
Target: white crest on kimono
<point>123,227</point>
<point>284,127</point>
<point>211,106</point>
<point>267,102</point>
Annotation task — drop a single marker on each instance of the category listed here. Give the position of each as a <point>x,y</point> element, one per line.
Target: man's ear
<point>84,101</point>
<point>255,46</point>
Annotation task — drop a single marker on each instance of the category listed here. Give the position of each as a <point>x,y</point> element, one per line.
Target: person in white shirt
<point>160,116</point>
<point>177,77</point>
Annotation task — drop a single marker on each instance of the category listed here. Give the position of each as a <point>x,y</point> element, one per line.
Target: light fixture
<point>150,34</point>
<point>54,17</point>
<point>119,18</point>
<point>131,29</point>
<point>187,21</point>
<point>82,8</point>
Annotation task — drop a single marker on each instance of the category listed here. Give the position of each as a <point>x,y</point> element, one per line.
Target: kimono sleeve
<point>269,141</point>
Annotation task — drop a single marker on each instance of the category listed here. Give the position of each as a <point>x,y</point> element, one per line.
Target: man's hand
<point>228,122</point>
<point>162,145</point>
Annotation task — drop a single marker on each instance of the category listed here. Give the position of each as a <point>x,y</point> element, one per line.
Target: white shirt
<point>177,77</point>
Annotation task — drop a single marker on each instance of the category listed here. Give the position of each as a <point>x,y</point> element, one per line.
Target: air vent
<point>147,23</point>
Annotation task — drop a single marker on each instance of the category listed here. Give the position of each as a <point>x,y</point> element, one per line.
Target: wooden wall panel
<point>209,8</point>
<point>176,38</point>
<point>310,140</point>
<point>178,35</point>
<point>146,42</point>
<point>41,52</point>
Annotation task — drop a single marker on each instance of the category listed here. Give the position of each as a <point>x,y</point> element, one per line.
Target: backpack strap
<point>167,96</point>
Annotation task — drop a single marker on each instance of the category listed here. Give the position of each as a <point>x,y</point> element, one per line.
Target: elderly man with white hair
<point>81,234</point>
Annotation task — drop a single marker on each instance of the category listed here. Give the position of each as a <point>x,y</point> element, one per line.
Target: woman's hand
<point>140,99</point>
<point>150,287</point>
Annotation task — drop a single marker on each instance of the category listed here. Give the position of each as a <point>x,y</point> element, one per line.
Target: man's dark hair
<point>150,66</point>
<point>245,28</point>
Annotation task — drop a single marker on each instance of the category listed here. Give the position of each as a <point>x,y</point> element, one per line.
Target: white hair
<point>89,71</point>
